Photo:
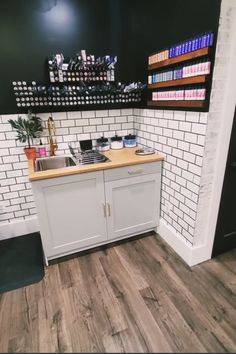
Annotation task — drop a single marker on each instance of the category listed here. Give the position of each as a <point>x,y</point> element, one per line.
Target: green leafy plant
<point>27,128</point>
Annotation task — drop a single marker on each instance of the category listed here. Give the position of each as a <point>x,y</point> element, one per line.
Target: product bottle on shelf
<point>172,52</point>
<point>204,40</point>
<point>186,94</point>
<point>206,67</point>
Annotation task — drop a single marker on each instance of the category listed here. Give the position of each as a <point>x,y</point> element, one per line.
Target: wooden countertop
<point>118,158</point>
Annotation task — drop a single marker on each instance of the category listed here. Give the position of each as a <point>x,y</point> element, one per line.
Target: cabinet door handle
<point>109,209</point>
<point>134,172</point>
<point>104,210</point>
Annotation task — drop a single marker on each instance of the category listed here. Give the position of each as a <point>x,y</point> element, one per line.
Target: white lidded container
<point>102,144</point>
<point>116,142</point>
<point>130,140</point>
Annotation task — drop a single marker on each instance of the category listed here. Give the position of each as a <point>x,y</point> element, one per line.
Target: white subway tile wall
<point>15,189</point>
<point>216,115</point>
<point>175,134</point>
<point>188,141</point>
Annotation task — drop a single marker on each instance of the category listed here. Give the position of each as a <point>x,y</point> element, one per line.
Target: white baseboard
<point>18,228</point>
<point>192,255</point>
<point>200,254</point>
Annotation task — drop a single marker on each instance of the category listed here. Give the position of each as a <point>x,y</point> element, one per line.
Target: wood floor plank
<point>228,259</point>
<point>107,312</point>
<point>183,300</point>
<point>177,280</point>
<point>170,321</point>
<point>217,305</point>
<point>135,296</point>
<point>151,332</point>
<point>222,272</point>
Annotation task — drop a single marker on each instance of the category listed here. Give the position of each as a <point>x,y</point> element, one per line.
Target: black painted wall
<point>31,30</point>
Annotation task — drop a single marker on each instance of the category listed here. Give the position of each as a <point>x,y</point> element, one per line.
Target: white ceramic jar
<point>116,142</point>
<point>130,140</point>
<point>102,144</point>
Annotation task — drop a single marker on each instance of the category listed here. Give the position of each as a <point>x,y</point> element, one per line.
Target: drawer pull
<point>134,172</point>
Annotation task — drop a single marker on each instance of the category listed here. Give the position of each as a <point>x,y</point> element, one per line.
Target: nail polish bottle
<point>42,149</point>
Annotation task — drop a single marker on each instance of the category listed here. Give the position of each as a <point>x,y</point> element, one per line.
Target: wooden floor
<point>137,296</point>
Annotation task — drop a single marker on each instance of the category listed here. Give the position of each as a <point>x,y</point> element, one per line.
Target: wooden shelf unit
<point>194,104</point>
<point>181,58</point>
<point>181,83</point>
<point>185,81</point>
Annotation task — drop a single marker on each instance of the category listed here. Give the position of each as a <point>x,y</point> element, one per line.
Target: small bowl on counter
<point>130,140</point>
<point>117,142</point>
<point>102,144</point>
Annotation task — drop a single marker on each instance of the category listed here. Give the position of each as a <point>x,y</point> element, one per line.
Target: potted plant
<point>27,129</point>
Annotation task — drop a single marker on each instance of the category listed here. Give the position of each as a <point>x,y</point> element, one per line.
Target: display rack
<point>170,77</point>
<point>81,81</point>
<point>34,95</point>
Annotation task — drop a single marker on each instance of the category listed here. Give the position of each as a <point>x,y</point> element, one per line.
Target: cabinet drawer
<point>132,171</point>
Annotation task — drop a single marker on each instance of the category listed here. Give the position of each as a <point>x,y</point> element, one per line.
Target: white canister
<point>103,144</point>
<point>116,142</point>
<point>130,140</point>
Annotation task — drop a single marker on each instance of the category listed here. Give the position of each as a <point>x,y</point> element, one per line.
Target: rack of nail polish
<point>33,94</point>
<point>81,67</point>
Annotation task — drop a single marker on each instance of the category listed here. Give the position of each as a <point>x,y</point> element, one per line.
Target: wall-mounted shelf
<point>194,104</point>
<point>186,81</point>
<point>182,58</point>
<point>33,95</point>
<point>79,83</point>
<point>178,80</point>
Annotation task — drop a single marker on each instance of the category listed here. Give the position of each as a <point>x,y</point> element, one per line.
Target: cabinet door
<point>71,213</point>
<point>132,205</point>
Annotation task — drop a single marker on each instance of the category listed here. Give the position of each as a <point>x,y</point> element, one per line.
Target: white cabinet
<point>85,210</point>
<point>71,212</point>
<point>132,199</point>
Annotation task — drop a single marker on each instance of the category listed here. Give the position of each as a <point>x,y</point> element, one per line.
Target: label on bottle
<point>180,49</point>
<point>83,54</point>
<point>211,39</point>
<point>60,75</point>
<point>64,66</point>
<point>204,38</point>
<point>186,47</point>
<point>189,46</point>
<point>208,36</point>
<point>197,43</point>
<point>208,67</point>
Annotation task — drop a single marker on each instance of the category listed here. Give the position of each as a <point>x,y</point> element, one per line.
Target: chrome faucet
<point>51,131</point>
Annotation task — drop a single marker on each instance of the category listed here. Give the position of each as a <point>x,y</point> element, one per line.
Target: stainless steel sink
<point>54,162</point>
